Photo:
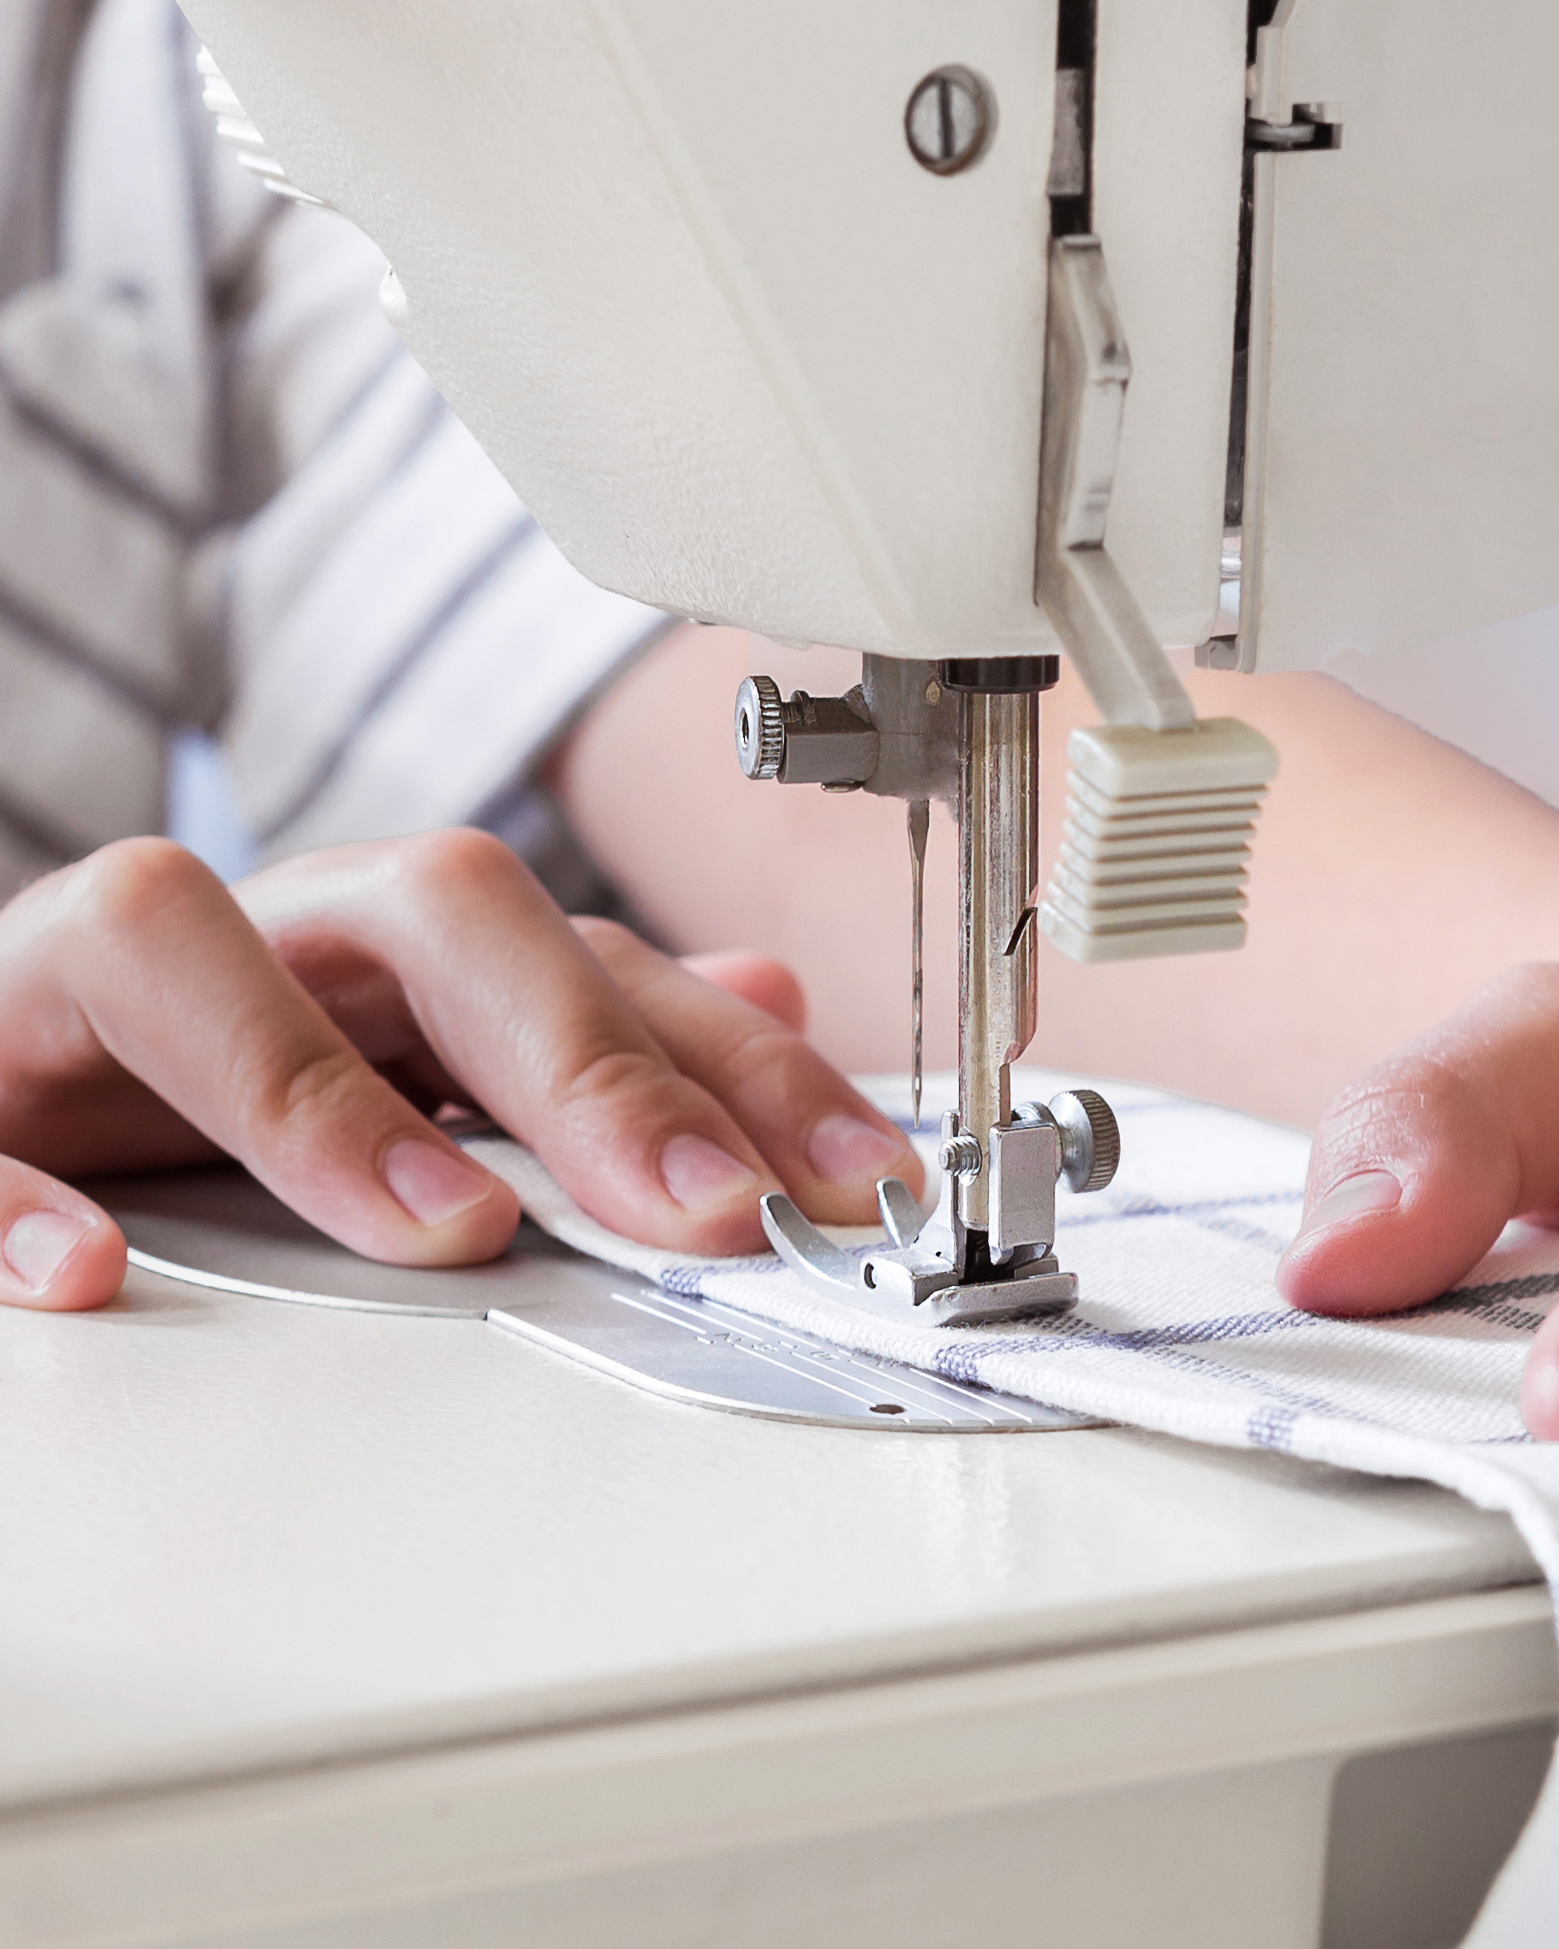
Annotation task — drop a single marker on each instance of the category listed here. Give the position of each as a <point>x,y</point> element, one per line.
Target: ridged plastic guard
<point>1157,840</point>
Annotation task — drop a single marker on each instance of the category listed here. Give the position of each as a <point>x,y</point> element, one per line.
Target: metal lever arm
<point>1087,368</point>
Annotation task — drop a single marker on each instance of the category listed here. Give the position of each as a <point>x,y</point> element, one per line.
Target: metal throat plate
<point>220,1229</point>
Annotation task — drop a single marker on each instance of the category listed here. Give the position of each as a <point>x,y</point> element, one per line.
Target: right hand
<point>309,1022</point>
<point>1417,1167</point>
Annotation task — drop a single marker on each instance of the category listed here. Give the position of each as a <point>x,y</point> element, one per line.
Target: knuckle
<point>433,865</point>
<point>315,1090</point>
<point>608,1077</point>
<point>767,1066</point>
<point>604,1068</point>
<point>1407,1108</point>
<point>1414,1084</point>
<point>607,940</point>
<point>781,989</point>
<point>124,885</point>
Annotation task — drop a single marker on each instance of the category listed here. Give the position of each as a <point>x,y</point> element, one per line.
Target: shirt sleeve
<point>401,644</point>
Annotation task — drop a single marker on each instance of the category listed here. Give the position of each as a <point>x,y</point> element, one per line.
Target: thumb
<point>58,1251</point>
<point>1417,1166</point>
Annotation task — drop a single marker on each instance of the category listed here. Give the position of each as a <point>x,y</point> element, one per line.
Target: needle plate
<point>220,1229</point>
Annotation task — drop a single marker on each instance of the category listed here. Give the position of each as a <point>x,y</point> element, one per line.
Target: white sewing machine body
<point>821,322</point>
<point>675,264</point>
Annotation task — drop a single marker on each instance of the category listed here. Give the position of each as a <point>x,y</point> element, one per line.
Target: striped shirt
<point>231,500</point>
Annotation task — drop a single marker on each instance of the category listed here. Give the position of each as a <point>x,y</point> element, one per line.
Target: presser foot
<point>939,1270</point>
<point>917,1277</point>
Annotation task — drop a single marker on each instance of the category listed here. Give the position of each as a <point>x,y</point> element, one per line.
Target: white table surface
<point>240,1533</point>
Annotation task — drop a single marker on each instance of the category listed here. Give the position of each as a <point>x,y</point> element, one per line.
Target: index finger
<point>532,1026</point>
<point>828,1144</point>
<point>140,951</point>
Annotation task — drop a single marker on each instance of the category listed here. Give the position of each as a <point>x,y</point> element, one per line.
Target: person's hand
<point>310,1021</point>
<point>1418,1165</point>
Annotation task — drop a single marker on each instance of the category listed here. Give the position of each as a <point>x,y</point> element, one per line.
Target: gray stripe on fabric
<point>395,354</point>
<point>398,669</point>
<point>29,198</point>
<point>227,278</point>
<point>432,418</point>
<point>82,657</point>
<point>105,470</point>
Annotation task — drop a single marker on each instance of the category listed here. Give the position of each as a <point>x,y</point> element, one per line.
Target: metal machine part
<point>1153,859</point>
<point>964,1274</point>
<point>220,1229</point>
<point>918,825</point>
<point>998,900</point>
<point>966,730</point>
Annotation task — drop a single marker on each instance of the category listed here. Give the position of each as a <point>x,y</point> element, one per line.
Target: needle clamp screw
<point>760,727</point>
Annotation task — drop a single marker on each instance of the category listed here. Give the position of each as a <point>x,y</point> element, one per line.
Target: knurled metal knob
<point>760,727</point>
<point>1090,1138</point>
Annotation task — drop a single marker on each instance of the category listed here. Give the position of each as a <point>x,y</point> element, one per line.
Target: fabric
<point>1180,1329</point>
<point>230,499</point>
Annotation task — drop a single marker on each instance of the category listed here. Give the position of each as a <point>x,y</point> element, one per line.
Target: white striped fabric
<point>230,499</point>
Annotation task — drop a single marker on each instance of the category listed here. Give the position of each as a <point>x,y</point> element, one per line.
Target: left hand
<point>311,1021</point>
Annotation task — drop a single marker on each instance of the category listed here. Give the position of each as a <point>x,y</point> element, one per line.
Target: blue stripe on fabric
<point>1144,1207</point>
<point>1535,1285</point>
<point>686,1282</point>
<point>1272,1428</point>
<point>963,1362</point>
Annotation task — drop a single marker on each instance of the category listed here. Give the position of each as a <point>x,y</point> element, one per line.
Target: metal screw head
<point>960,1156</point>
<point>950,119</point>
<point>760,727</point>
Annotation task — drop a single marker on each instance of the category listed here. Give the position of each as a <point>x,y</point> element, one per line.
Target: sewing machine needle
<point>919,819</point>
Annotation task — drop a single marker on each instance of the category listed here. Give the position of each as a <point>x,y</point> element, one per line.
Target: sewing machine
<point>965,341</point>
<point>378,1617</point>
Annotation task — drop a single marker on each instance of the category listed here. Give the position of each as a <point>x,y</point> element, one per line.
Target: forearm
<point>1391,876</point>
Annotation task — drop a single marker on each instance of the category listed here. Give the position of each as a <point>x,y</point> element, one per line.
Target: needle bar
<point>919,820</point>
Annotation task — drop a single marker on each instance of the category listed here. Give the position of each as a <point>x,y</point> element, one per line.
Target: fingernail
<point>39,1243</point>
<point>697,1172</point>
<point>1355,1197</point>
<point>433,1184</point>
<point>845,1150</point>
